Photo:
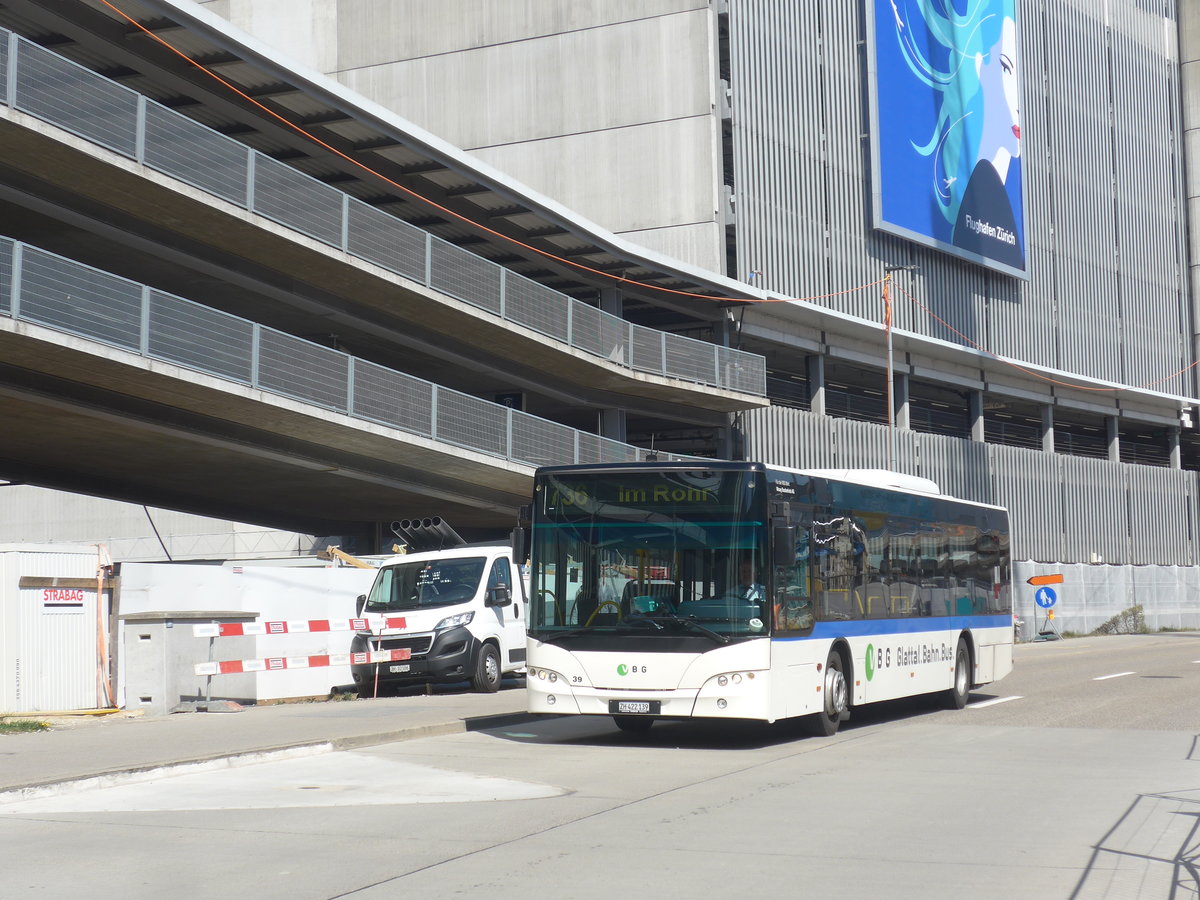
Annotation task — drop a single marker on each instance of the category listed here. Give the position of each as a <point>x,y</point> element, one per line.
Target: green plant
<point>17,726</point>
<point>1127,621</point>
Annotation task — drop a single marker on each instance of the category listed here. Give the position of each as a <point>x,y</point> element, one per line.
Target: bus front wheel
<point>956,697</point>
<point>835,696</point>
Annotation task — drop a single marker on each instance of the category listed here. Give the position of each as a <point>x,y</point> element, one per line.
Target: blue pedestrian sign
<point>1045,597</point>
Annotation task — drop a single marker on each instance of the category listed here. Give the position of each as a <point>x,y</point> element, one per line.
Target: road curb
<point>150,771</point>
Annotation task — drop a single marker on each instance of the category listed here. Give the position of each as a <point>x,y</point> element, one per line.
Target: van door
<point>511,618</point>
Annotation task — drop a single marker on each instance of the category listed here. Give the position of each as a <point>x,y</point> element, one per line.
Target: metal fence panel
<point>386,241</point>
<point>776,437</point>
<point>196,154</point>
<point>303,370</point>
<point>58,91</point>
<point>538,307</point>
<point>541,443</point>
<point>587,330</point>
<point>6,266</point>
<point>81,300</point>
<point>646,349</point>
<point>291,198</point>
<point>1029,484</point>
<point>690,359</point>
<point>470,422</point>
<point>1096,505</point>
<point>4,38</point>
<point>201,338</point>
<point>463,275</point>
<point>961,468</point>
<point>1162,504</point>
<point>740,371</point>
<point>392,398</point>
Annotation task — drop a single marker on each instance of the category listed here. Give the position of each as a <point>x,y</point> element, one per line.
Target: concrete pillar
<point>612,301</point>
<point>1173,446</point>
<point>1112,437</point>
<point>1047,428</point>
<point>816,384</point>
<point>900,403</point>
<point>1189,77</point>
<point>975,413</point>
<point>612,424</point>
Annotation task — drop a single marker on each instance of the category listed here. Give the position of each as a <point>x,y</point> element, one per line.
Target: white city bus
<point>739,590</point>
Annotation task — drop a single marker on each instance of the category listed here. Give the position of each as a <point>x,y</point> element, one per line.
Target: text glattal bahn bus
<point>737,590</point>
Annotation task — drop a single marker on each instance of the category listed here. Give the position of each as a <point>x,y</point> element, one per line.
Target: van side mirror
<point>359,604</point>
<point>499,596</point>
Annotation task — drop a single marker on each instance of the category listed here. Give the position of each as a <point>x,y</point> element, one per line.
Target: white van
<point>463,613</point>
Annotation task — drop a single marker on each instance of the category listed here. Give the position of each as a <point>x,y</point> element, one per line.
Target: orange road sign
<point>1046,579</point>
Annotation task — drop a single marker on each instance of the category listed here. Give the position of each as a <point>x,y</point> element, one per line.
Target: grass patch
<point>19,726</point>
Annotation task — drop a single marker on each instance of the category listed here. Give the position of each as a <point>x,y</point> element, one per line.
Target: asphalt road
<point>1083,781</point>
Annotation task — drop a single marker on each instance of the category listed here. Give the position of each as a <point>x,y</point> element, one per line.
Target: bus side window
<point>793,605</point>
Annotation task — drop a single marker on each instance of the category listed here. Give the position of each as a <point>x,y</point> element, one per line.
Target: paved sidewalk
<point>120,746</point>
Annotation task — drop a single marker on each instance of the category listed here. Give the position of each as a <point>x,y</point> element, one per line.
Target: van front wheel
<point>486,679</point>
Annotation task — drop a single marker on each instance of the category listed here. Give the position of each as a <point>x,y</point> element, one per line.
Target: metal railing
<point>50,290</point>
<point>50,87</point>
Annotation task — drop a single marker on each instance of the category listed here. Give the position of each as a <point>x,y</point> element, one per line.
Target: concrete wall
<point>34,514</point>
<point>272,594</point>
<point>607,108</point>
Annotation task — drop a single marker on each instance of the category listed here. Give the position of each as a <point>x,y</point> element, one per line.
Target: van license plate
<point>633,706</point>
<point>397,670</point>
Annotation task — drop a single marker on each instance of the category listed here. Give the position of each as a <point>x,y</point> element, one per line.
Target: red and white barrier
<point>276,663</point>
<point>237,629</point>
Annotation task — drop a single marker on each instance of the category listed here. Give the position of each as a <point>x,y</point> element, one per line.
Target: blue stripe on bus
<point>867,627</point>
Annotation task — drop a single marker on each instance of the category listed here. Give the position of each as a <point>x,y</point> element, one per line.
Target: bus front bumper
<point>549,692</point>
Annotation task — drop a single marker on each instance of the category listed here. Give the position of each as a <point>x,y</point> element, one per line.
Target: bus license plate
<point>396,670</point>
<point>634,707</point>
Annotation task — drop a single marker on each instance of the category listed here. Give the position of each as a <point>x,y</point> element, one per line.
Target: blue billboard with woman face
<point>946,140</point>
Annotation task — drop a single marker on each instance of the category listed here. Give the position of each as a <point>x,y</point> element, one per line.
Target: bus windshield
<point>662,554</point>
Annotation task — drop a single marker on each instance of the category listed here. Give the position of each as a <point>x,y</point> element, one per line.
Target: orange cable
<point>445,210</point>
<point>1038,375</point>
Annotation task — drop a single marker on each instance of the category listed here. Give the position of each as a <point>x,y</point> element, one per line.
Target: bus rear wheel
<point>956,697</point>
<point>835,696</point>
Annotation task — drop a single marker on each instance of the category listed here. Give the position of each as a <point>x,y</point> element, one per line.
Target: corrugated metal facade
<point>1105,211</point>
<point>48,652</point>
<point>1064,508</point>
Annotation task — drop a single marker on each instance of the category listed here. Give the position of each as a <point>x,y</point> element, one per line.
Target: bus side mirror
<point>783,545</point>
<point>359,604</point>
<point>499,596</point>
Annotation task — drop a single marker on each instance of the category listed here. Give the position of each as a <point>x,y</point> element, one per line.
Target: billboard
<point>945,80</point>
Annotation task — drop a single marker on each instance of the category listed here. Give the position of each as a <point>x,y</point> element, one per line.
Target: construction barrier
<point>278,663</point>
<point>214,630</point>
<point>238,629</point>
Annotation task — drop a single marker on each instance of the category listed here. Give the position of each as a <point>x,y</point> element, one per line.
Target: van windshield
<point>424,585</point>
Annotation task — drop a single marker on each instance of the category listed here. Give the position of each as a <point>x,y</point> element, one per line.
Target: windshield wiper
<point>555,638</point>
<point>689,622</point>
<point>641,622</point>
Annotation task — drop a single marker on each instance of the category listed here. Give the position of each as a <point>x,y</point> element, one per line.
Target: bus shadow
<point>708,734</point>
